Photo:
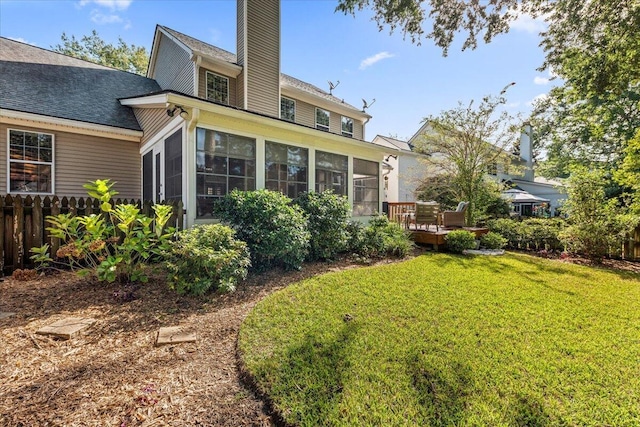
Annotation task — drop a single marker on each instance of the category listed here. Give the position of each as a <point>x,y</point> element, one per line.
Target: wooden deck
<point>436,238</point>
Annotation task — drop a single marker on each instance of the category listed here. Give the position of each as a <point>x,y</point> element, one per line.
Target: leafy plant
<point>274,228</point>
<point>113,245</point>
<point>460,240</point>
<point>380,238</point>
<point>328,214</point>
<point>493,240</point>
<point>207,257</point>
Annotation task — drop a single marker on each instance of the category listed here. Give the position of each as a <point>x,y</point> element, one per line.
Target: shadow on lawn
<point>313,372</point>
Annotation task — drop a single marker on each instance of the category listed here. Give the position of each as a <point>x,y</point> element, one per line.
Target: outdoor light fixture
<point>179,109</point>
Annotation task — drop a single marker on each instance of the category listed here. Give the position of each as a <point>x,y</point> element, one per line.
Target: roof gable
<point>198,47</point>
<point>39,81</point>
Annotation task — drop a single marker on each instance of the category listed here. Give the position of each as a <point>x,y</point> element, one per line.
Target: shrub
<point>328,214</point>
<point>384,238</point>
<point>355,236</point>
<point>493,240</point>
<point>207,257</point>
<point>274,228</point>
<point>530,233</point>
<point>507,228</point>
<point>460,240</point>
<point>113,245</point>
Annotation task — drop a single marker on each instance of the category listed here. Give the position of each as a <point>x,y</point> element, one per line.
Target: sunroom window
<point>365,187</point>
<point>286,168</point>
<point>224,162</point>
<point>331,172</point>
<point>30,162</point>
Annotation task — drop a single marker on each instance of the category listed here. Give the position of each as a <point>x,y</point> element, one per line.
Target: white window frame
<point>321,126</point>
<point>206,85</point>
<point>342,122</point>
<point>294,109</point>
<point>52,163</point>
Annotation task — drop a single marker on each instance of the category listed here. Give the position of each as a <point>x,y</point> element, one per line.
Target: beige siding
<point>260,55</point>
<point>305,114</point>
<point>79,159</point>
<point>240,90</point>
<point>174,68</point>
<point>152,120</point>
<point>202,85</point>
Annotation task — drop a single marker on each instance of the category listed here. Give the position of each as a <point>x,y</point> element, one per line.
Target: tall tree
<point>592,44</point>
<point>463,143</point>
<point>131,58</point>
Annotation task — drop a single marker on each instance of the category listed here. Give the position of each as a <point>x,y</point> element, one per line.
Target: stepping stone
<point>5,314</point>
<point>174,335</point>
<point>66,328</point>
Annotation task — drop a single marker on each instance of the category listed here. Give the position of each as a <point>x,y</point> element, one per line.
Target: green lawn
<point>446,340</point>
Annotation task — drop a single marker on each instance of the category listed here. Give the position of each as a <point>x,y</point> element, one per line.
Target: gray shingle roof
<point>39,81</point>
<point>224,55</point>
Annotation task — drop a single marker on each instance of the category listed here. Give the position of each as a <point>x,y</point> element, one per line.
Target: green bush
<point>382,238</point>
<point>328,214</point>
<point>274,228</point>
<point>460,240</point>
<point>493,240</point>
<point>207,257</point>
<point>355,236</point>
<point>530,233</point>
<point>114,245</point>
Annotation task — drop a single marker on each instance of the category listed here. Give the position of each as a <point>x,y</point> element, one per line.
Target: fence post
<point>18,233</point>
<point>55,211</point>
<point>38,222</point>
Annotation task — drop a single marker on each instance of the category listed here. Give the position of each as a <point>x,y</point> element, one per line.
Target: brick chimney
<point>258,51</point>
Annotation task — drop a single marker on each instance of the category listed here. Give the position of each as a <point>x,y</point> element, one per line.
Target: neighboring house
<point>204,122</point>
<point>404,172</point>
<point>549,193</point>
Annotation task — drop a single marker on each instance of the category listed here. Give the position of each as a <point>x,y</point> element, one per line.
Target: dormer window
<point>287,109</point>
<point>322,119</point>
<point>217,88</point>
<point>347,127</point>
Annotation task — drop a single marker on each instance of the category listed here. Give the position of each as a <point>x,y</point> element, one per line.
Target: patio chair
<point>455,218</point>
<point>427,213</point>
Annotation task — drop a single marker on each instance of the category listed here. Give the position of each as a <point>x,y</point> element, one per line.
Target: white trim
<point>220,65</point>
<point>206,86</point>
<point>169,129</point>
<point>295,106</point>
<point>19,118</point>
<point>315,120</point>
<point>249,117</point>
<point>53,162</point>
<point>152,101</point>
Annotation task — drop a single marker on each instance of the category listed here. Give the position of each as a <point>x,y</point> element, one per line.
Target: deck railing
<point>23,223</point>
<point>397,210</point>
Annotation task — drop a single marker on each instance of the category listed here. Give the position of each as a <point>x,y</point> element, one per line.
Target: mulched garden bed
<point>112,374</point>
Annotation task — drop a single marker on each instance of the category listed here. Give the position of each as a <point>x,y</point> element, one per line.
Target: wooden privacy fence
<point>23,223</point>
<point>631,249</point>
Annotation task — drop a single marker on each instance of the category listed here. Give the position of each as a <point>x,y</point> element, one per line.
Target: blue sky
<point>408,82</point>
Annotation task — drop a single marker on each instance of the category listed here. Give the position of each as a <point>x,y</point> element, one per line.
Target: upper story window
<point>217,88</point>
<point>347,127</point>
<point>30,162</point>
<point>224,162</point>
<point>286,168</point>
<point>322,119</point>
<point>287,109</point>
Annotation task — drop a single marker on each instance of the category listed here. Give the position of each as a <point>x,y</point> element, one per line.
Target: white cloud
<point>540,80</point>
<point>101,19</point>
<point>537,98</point>
<point>528,24</point>
<point>21,40</point>
<point>513,104</point>
<point>375,58</point>
<point>111,4</point>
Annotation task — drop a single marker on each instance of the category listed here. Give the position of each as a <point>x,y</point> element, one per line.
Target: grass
<point>446,340</point>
